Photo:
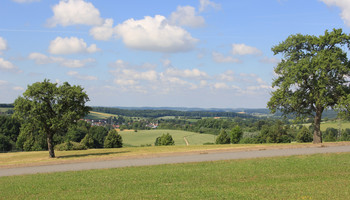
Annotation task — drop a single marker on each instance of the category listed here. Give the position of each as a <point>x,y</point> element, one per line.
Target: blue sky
<point>184,53</point>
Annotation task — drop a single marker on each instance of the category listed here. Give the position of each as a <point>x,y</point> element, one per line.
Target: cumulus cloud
<point>187,73</point>
<point>155,34</point>
<point>42,59</point>
<point>76,75</point>
<point>344,6</point>
<point>221,85</point>
<point>3,44</point>
<point>228,76</point>
<point>186,16</point>
<point>242,49</point>
<point>204,4</point>
<point>75,12</point>
<point>103,32</point>
<point>8,66</point>
<point>71,45</point>
<point>220,58</point>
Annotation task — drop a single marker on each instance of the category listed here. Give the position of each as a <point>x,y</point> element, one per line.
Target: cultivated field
<point>99,115</point>
<point>322,176</point>
<point>148,137</point>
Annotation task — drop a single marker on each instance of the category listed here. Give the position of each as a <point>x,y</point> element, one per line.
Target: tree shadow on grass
<point>91,154</point>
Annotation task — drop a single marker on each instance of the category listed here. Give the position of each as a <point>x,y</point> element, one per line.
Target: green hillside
<point>148,137</point>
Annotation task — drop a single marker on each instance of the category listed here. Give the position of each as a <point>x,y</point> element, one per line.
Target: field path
<point>186,158</point>
<point>186,141</point>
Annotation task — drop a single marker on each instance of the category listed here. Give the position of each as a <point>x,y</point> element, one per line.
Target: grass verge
<point>19,159</point>
<point>322,176</point>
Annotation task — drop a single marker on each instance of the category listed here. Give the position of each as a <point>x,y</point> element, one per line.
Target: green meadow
<point>321,176</point>
<point>148,137</point>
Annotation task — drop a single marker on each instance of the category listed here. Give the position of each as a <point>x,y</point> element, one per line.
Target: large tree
<point>50,108</point>
<point>312,76</point>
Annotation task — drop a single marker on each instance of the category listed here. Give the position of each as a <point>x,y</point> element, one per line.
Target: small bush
<point>113,140</point>
<point>304,135</point>
<point>88,141</point>
<point>67,146</point>
<point>164,140</point>
<point>223,138</point>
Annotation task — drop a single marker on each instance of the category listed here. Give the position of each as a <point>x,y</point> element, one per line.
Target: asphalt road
<point>171,160</point>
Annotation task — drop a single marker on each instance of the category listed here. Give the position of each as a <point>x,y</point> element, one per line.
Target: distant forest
<point>162,113</point>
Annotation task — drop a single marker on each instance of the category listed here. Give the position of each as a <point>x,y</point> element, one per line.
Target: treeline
<point>13,137</point>
<point>163,113</point>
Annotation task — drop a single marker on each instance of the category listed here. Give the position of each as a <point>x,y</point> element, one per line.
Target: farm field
<point>99,115</point>
<point>320,176</point>
<point>333,124</point>
<point>148,137</point>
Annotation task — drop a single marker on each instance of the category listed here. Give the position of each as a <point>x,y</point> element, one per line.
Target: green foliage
<point>5,143</point>
<point>113,140</point>
<point>98,134</point>
<point>345,135</point>
<point>88,141</point>
<point>330,135</point>
<point>274,134</point>
<point>164,140</point>
<point>51,109</point>
<point>69,145</point>
<point>78,132</point>
<point>312,76</point>
<point>304,135</point>
<point>236,135</point>
<point>223,138</point>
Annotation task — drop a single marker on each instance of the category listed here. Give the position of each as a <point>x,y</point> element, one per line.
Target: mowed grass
<point>148,137</point>
<point>335,124</point>
<point>322,176</point>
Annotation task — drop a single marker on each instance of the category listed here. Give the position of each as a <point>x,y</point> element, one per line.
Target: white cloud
<point>186,16</point>
<point>228,75</point>
<point>219,58</point>
<point>221,85</point>
<point>75,12</point>
<point>76,75</point>
<point>187,73</point>
<point>25,1</point>
<point>8,66</point>
<point>344,5</point>
<point>18,88</point>
<point>3,44</point>
<point>42,59</point>
<point>155,34</point>
<point>71,45</point>
<point>103,32</point>
<point>242,49</point>
<point>3,83</point>
<point>204,4</point>
<point>120,64</point>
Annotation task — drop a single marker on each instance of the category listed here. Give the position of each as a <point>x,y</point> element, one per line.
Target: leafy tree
<point>223,138</point>
<point>330,135</point>
<point>88,141</point>
<point>113,140</point>
<point>312,76</point>
<point>304,135</point>
<point>51,109</point>
<point>98,134</point>
<point>236,135</point>
<point>5,144</point>
<point>164,140</point>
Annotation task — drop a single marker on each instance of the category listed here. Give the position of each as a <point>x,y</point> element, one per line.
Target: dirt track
<point>172,159</point>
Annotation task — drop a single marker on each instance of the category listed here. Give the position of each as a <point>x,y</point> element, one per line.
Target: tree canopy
<point>312,76</point>
<point>50,109</point>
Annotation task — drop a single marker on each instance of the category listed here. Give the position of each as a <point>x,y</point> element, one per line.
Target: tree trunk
<point>50,145</point>
<point>317,124</point>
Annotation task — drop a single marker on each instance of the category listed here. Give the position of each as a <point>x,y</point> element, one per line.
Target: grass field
<point>148,137</point>
<point>325,176</point>
<point>333,124</point>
